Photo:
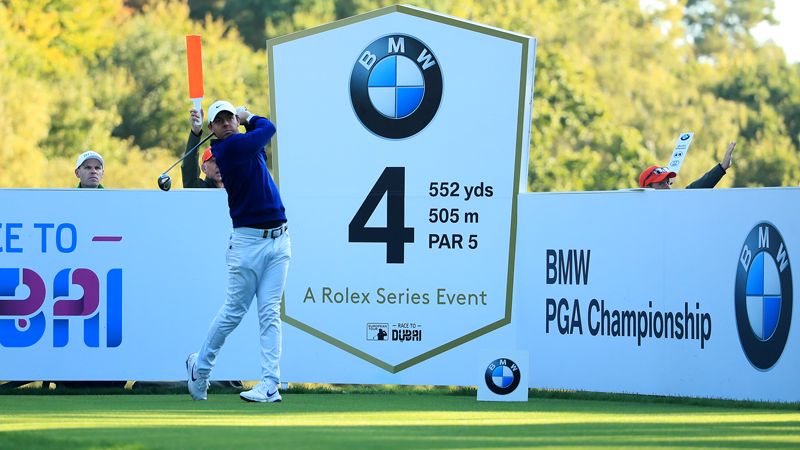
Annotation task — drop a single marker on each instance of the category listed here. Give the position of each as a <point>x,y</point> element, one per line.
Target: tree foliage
<point>716,26</point>
<point>614,86</point>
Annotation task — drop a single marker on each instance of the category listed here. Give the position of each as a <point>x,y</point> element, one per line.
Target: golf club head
<point>164,182</point>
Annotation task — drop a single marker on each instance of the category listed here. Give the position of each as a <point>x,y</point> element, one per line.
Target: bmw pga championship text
<point>599,317</point>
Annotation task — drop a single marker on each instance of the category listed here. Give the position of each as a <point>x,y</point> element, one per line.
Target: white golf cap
<point>219,106</point>
<point>88,155</point>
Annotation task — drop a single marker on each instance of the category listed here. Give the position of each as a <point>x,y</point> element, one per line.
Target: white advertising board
<point>126,288</point>
<point>402,141</point>
<point>114,285</point>
<point>681,292</point>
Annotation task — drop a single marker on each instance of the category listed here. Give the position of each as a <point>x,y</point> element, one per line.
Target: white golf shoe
<point>198,386</point>
<point>264,392</point>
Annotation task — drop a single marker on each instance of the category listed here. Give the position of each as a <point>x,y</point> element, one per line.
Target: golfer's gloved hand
<point>196,120</point>
<point>244,114</point>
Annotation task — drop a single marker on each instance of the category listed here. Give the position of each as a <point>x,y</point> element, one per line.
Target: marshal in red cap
<point>655,174</point>
<point>207,154</point>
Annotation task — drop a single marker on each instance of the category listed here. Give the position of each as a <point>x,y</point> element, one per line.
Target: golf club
<point>164,181</point>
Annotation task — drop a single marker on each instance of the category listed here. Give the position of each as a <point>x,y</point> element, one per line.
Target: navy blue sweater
<point>253,197</point>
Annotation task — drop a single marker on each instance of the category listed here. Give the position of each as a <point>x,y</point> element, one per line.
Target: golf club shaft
<point>189,152</point>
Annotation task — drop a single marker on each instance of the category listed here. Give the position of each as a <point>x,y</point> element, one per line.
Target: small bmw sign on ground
<point>503,377</point>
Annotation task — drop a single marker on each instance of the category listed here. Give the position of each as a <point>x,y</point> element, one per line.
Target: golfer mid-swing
<point>259,249</point>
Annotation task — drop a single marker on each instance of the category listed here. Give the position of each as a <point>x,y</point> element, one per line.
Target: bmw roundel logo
<point>763,296</point>
<point>396,86</point>
<point>685,136</point>
<point>502,376</point>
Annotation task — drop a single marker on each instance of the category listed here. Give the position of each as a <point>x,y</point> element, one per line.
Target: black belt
<point>272,233</point>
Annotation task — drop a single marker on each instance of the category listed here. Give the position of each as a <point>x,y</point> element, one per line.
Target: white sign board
<point>606,303</point>
<point>680,151</point>
<point>601,305</point>
<point>402,141</point>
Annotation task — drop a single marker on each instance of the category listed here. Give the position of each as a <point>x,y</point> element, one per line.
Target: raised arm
<point>190,167</point>
<point>728,158</point>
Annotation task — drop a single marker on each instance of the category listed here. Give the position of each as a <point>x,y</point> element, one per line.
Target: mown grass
<point>390,417</point>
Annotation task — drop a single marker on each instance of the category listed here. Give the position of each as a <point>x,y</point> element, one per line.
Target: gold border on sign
<point>527,61</point>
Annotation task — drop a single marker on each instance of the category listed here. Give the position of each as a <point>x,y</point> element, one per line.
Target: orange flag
<point>194,59</point>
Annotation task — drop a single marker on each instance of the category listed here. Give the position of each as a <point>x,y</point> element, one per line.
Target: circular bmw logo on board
<point>396,86</point>
<point>502,376</point>
<point>763,296</point>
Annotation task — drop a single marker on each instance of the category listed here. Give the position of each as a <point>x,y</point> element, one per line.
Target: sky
<point>787,33</point>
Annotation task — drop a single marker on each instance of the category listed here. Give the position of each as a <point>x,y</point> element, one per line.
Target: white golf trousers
<point>257,266</point>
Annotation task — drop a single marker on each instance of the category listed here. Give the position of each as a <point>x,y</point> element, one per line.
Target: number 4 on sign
<point>392,182</point>
<point>680,151</point>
